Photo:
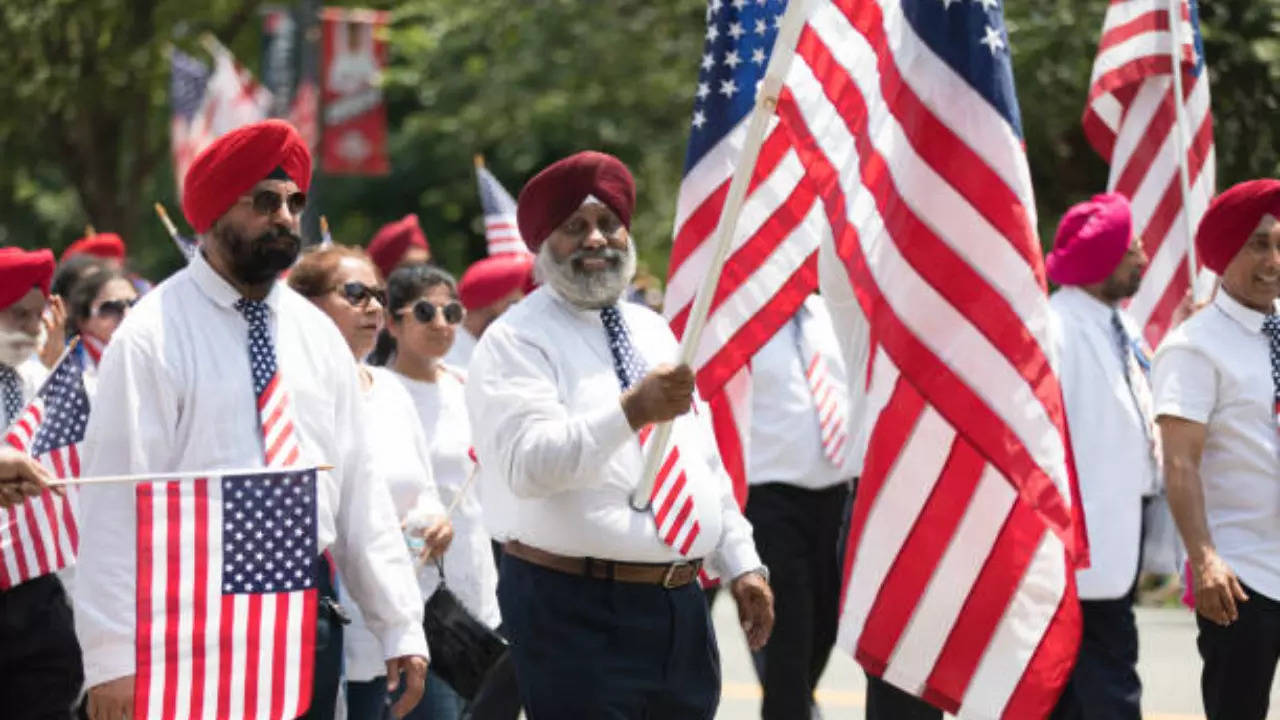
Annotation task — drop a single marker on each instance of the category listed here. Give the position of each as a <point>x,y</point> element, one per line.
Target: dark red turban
<point>103,245</point>
<point>393,240</point>
<point>489,280</point>
<point>553,194</point>
<point>237,161</point>
<point>1231,219</point>
<point>21,270</point>
<point>1091,241</point>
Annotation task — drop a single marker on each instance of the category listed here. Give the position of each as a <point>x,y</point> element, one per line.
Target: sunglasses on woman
<point>424,311</point>
<point>359,294</point>
<point>268,202</point>
<point>114,308</point>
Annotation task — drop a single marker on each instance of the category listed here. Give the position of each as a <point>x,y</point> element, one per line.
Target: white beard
<point>590,291</point>
<point>17,347</point>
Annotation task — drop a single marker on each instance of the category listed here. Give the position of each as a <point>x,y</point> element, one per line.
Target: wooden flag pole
<point>191,475</point>
<point>784,48</point>
<point>1181,137</point>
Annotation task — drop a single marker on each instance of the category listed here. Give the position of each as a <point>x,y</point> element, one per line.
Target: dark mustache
<point>280,234</point>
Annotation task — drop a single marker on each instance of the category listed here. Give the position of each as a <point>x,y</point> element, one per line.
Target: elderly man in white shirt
<point>1217,389</point>
<point>177,393</point>
<point>600,601</point>
<point>1098,262</point>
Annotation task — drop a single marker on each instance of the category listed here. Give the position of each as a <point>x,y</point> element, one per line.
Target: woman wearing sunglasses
<point>97,304</point>
<point>343,282</point>
<point>424,313</point>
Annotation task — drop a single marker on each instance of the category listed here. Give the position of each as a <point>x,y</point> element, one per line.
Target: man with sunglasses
<point>601,601</point>
<point>487,289</point>
<point>179,390</point>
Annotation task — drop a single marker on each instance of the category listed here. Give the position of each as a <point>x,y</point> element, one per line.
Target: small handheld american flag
<point>226,602</point>
<point>40,535</point>
<point>500,229</point>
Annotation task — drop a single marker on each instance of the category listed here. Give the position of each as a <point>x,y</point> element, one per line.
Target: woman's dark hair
<point>406,284</point>
<point>83,293</point>
<point>71,271</point>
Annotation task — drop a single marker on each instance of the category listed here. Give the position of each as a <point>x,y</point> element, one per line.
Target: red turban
<point>1091,241</point>
<point>389,244</point>
<point>553,194</point>
<point>21,270</point>
<point>237,161</point>
<point>1231,219</point>
<point>488,280</point>
<point>103,245</point>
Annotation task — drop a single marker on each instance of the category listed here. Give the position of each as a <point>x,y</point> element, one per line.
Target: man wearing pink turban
<point>1217,389</point>
<point>1098,263</point>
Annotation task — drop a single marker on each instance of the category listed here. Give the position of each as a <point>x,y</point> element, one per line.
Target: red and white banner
<point>354,140</point>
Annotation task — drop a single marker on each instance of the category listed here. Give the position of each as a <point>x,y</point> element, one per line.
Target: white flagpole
<point>188,475</point>
<point>1182,140</point>
<point>784,47</point>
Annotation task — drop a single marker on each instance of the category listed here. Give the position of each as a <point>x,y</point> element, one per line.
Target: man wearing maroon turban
<point>1098,262</point>
<point>600,600</point>
<point>487,289</point>
<point>179,389</point>
<point>1217,388</point>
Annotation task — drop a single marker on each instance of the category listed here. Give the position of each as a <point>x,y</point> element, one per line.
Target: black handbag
<point>463,649</point>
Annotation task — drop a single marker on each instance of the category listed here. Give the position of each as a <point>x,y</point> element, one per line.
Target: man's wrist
<point>762,571</point>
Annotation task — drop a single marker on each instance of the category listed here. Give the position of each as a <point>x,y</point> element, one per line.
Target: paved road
<point>1169,666</point>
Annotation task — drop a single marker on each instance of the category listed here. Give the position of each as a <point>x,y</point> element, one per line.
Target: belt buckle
<point>671,571</point>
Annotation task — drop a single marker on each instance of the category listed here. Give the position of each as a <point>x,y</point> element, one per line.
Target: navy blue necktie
<point>1271,326</point>
<point>627,364</point>
<point>10,394</point>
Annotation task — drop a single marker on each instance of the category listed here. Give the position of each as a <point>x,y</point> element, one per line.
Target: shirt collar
<point>217,289</point>
<point>1248,317</point>
<point>1088,304</point>
<point>587,314</point>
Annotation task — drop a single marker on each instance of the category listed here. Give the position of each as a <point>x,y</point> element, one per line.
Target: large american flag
<point>959,574</point>
<point>772,267</point>
<point>1130,121</point>
<point>501,232</point>
<point>226,602</point>
<point>40,535</point>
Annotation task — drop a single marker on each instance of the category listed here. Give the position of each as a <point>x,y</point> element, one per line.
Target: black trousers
<point>40,666</point>
<point>1104,684</point>
<point>1240,660</point>
<point>797,533</point>
<point>591,649</point>
<point>886,702</point>
<point>328,657</point>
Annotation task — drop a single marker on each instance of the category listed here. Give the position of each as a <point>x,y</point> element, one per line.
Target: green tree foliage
<point>84,124</point>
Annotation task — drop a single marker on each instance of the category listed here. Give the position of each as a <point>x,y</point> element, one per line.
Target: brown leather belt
<point>672,575</point>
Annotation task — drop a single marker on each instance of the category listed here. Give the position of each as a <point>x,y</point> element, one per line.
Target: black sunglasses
<point>114,308</point>
<point>424,311</point>
<point>268,202</point>
<point>358,294</point>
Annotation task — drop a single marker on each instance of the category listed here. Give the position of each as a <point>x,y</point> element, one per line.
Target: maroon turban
<point>103,245</point>
<point>392,240</point>
<point>553,194</point>
<point>1231,219</point>
<point>237,161</point>
<point>491,279</point>
<point>1091,241</point>
<point>21,270</point>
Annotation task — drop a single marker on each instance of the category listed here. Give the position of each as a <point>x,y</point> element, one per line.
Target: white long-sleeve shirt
<point>1115,460</point>
<point>400,453</point>
<point>175,393</point>
<point>558,459</point>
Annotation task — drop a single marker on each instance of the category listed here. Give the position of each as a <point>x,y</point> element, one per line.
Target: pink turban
<point>1091,241</point>
<point>1231,219</point>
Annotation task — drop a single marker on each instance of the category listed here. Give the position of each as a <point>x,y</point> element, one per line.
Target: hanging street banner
<point>354,138</point>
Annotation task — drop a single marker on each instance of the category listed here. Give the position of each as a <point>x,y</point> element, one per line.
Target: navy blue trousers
<point>1240,660</point>
<point>587,648</point>
<point>1104,684</point>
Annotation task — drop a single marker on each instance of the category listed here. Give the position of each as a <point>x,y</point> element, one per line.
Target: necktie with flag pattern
<point>1271,326</point>
<point>1136,367</point>
<point>275,413</point>
<point>828,397</point>
<point>674,510</point>
<point>10,395</point>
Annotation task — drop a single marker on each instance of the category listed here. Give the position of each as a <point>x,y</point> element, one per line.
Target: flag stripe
<point>143,686</point>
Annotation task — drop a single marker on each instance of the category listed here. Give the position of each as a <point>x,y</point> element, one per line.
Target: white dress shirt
<point>558,460</point>
<point>786,435</point>
<point>464,344</point>
<point>1115,461</point>
<point>175,393</point>
<point>853,334</point>
<point>400,454</point>
<point>1215,369</point>
<point>33,373</point>
<point>468,563</point>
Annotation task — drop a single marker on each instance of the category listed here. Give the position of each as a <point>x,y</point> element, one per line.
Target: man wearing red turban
<point>487,289</point>
<point>221,366</point>
<point>560,392</point>
<point>399,243</point>
<point>1098,262</point>
<point>39,655</point>
<point>1217,388</point>
<point>106,246</point>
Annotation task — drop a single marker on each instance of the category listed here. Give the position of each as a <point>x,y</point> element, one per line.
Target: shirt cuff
<point>107,662</point>
<point>1173,409</point>
<point>399,642</point>
<point>737,557</point>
